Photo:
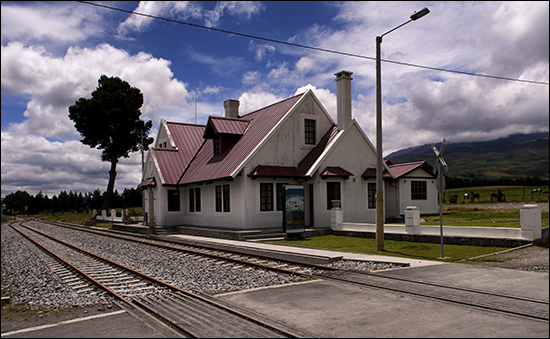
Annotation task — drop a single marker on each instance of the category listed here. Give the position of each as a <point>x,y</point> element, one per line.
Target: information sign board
<point>294,211</point>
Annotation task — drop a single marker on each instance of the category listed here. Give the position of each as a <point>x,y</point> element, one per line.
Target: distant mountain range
<point>519,155</point>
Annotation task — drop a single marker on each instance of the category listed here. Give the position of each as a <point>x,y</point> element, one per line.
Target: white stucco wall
<point>353,153</point>
<point>428,206</point>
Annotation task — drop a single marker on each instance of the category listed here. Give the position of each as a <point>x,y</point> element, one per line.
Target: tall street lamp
<point>379,161</point>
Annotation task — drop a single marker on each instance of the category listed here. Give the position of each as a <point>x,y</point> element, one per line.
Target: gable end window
<point>419,190</point>
<point>309,131</point>
<point>173,201</point>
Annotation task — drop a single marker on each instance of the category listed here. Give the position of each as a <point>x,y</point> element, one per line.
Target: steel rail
<point>274,325</point>
<point>293,262</point>
<point>87,277</point>
<point>440,297</point>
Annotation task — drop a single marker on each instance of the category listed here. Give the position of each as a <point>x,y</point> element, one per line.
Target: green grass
<point>413,250</point>
<point>512,193</point>
<point>463,216</point>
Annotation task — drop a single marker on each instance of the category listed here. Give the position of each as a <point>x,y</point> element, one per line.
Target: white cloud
<point>255,99</point>
<point>33,164</point>
<point>180,10</point>
<point>60,22</point>
<point>55,83</point>
<point>261,51</point>
<point>325,96</point>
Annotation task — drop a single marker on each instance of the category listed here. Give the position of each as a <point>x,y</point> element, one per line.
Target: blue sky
<point>54,52</point>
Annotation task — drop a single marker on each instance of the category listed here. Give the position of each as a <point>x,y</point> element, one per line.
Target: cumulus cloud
<point>44,143</point>
<point>55,83</point>
<point>54,52</point>
<point>183,10</point>
<point>61,22</point>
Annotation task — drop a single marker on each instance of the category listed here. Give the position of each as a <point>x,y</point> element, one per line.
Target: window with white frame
<point>266,197</point>
<point>195,199</point>
<point>309,131</point>
<point>371,194</point>
<point>419,190</point>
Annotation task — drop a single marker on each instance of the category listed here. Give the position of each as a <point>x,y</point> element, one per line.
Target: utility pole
<point>142,159</point>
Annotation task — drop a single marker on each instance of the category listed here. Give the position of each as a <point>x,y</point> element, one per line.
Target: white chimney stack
<point>343,98</point>
<point>231,108</point>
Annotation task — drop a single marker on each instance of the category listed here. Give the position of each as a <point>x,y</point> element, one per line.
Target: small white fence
<point>530,221</point>
<point>114,217</point>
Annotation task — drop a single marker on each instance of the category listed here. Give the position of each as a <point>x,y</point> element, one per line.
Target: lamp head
<point>419,14</point>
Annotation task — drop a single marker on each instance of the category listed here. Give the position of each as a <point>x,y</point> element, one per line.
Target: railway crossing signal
<point>440,165</point>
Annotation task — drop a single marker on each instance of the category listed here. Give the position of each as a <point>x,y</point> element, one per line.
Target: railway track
<point>495,302</point>
<point>190,314</point>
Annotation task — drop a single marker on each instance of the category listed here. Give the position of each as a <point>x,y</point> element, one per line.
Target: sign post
<point>294,211</point>
<point>440,164</point>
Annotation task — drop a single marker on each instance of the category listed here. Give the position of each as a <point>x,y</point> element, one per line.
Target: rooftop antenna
<point>195,103</point>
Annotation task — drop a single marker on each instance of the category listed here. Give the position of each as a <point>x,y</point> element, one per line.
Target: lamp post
<point>380,218</point>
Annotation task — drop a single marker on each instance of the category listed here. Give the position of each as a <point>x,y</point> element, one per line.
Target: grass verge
<point>412,250</point>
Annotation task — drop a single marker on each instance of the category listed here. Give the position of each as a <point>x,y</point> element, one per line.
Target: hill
<point>519,155</point>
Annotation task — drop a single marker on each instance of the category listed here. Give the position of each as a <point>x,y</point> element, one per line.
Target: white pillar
<point>530,221</point>
<point>336,215</point>
<point>412,219</point>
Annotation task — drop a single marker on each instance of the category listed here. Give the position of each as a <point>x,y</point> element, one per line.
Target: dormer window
<point>217,145</point>
<point>224,132</point>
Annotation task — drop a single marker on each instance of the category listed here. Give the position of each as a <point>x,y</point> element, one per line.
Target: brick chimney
<point>343,98</point>
<point>231,108</point>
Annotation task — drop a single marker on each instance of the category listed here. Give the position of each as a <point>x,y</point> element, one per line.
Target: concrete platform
<point>301,254</point>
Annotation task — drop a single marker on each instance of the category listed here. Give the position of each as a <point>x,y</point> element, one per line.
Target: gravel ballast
<point>32,282</point>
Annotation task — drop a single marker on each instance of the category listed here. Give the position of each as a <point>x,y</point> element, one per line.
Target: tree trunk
<point>110,186</point>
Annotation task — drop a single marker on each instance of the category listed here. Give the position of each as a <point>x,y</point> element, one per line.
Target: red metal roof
<point>309,160</point>
<point>223,125</point>
<point>400,170</point>
<point>173,161</point>
<point>337,171</point>
<point>273,171</point>
<point>148,182</point>
<point>207,167</point>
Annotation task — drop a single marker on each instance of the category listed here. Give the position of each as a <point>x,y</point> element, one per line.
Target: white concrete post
<point>94,213</point>
<point>113,214</point>
<point>103,215</point>
<point>530,221</point>
<point>336,215</point>
<point>412,219</point>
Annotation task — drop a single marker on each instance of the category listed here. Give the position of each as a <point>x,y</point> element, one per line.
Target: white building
<point>229,173</point>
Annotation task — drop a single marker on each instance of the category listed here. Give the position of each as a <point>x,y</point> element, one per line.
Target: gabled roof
<point>223,125</point>
<point>171,161</point>
<point>337,171</point>
<point>310,160</point>
<point>400,170</point>
<point>207,167</point>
